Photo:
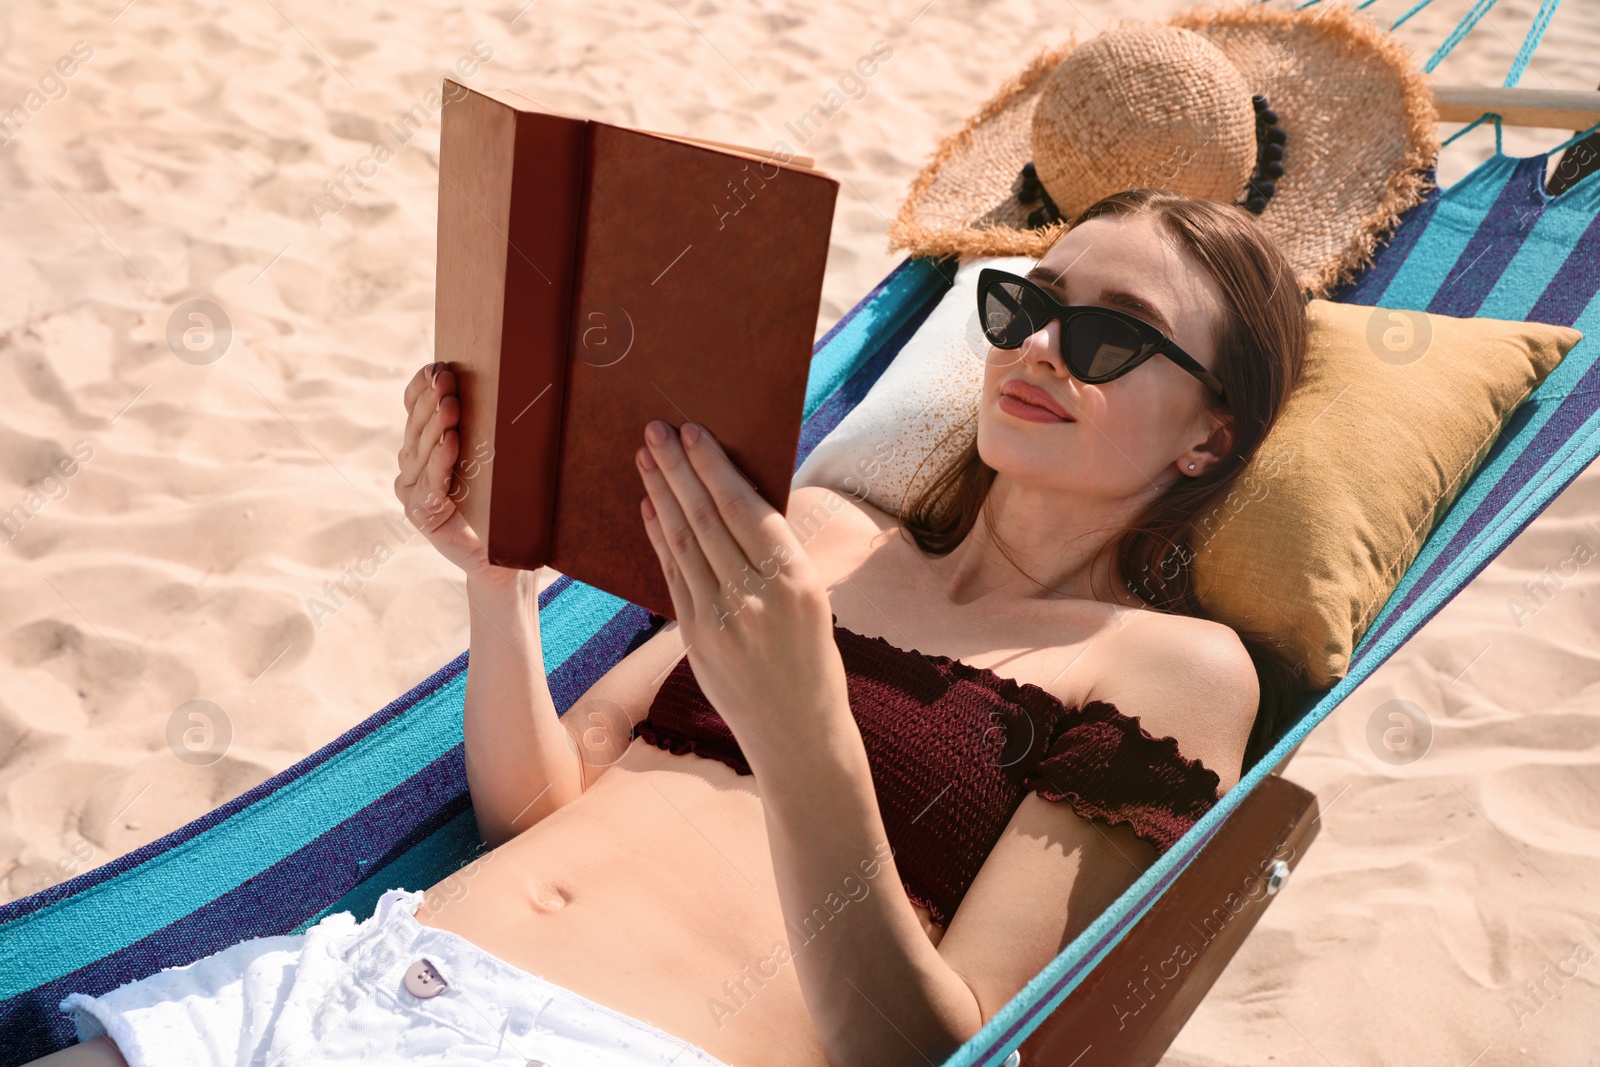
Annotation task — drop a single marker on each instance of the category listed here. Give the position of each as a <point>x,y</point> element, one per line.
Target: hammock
<point>386,804</point>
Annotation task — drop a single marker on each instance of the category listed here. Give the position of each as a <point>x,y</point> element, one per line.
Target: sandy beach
<point>228,532</point>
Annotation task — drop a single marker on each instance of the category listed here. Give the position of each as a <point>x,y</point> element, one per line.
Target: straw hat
<point>1192,105</point>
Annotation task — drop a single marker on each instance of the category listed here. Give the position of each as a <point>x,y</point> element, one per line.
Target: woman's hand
<point>750,604</point>
<point>427,466</point>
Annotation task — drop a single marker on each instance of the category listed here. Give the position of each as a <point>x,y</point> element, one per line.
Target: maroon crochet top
<point>954,750</point>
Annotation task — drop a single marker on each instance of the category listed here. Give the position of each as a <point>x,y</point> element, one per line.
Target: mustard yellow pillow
<point>1394,413</point>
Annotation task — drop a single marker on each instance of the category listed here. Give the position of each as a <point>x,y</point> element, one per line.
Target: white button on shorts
<point>422,980</point>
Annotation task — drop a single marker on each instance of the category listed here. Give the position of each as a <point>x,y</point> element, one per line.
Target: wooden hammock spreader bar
<point>1561,109</point>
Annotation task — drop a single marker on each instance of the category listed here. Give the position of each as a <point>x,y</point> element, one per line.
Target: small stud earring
<point>1191,466</point>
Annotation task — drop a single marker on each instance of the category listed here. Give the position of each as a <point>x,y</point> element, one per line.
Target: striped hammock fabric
<point>386,804</point>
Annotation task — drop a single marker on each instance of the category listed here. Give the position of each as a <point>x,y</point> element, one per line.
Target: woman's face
<point>1127,437</point>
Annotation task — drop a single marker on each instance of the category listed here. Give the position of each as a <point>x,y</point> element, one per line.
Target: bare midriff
<point>653,894</point>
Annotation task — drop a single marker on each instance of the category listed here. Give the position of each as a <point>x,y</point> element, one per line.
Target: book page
<point>521,100</point>
<point>802,162</point>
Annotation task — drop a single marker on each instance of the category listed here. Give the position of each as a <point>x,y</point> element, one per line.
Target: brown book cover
<point>593,277</point>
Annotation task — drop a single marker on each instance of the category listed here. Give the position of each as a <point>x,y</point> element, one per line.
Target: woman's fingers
<point>755,525</point>
<point>674,539</point>
<point>677,587</point>
<point>428,456</point>
<point>422,397</point>
<point>431,504</point>
<point>424,491</point>
<point>434,409</point>
<point>443,418</point>
<point>427,461</point>
<point>420,381</point>
<point>422,404</point>
<point>678,538</point>
<point>722,553</point>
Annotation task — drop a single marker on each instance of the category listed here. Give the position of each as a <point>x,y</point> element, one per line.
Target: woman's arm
<point>521,765</point>
<point>523,760</point>
<point>754,613</point>
<point>1054,871</point>
<point>519,768</point>
<point>877,989</point>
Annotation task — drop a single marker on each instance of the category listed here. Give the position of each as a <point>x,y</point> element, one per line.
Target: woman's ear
<point>1212,449</point>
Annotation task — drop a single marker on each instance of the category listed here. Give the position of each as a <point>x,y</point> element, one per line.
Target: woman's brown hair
<point>1261,344</point>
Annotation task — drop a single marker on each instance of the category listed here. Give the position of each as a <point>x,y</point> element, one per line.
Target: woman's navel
<point>545,897</point>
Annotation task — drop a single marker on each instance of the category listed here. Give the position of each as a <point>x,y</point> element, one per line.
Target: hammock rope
<point>1474,124</point>
<point>1568,143</point>
<point>1401,21</point>
<point>1547,11</point>
<point>1368,3</point>
<point>1464,27</point>
<point>1519,65</point>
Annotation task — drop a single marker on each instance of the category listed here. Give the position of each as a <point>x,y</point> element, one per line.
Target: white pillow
<point>930,388</point>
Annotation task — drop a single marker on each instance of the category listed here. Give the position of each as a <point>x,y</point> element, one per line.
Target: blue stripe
<point>1370,286</point>
<point>833,410</point>
<point>419,866</point>
<point>1565,303</point>
<point>583,668</point>
<point>885,308</point>
<point>1563,244</point>
<point>1496,242</point>
<point>1450,228</point>
<point>585,611</point>
<point>553,590</point>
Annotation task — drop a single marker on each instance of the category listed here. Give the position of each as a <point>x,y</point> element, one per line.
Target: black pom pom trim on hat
<point>1270,139</point>
<point>1031,191</point>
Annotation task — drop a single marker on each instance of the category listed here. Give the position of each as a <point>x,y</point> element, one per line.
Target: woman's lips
<point>1029,402</point>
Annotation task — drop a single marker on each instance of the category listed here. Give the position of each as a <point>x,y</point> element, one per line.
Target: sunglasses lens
<point>1011,314</point>
<point>1099,345</point>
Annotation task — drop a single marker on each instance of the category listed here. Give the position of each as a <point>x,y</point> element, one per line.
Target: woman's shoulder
<point>812,502</point>
<point>1187,678</point>
<point>826,520</point>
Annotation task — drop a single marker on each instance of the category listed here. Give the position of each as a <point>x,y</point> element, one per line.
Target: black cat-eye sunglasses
<point>1098,343</point>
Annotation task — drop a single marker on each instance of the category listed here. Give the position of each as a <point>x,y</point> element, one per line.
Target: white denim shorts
<point>345,992</point>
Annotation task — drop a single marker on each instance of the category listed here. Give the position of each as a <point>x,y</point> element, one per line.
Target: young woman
<point>902,763</point>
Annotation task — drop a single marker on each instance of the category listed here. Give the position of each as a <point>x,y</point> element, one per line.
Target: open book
<point>593,277</point>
